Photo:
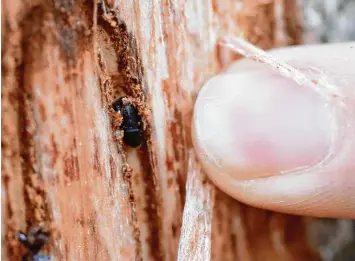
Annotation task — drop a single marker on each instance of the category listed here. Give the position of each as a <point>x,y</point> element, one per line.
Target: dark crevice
<point>153,204</point>
<point>127,80</point>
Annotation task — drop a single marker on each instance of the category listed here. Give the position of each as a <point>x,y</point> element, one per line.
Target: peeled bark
<point>64,163</point>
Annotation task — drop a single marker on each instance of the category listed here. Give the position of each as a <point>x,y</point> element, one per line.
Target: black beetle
<point>34,241</point>
<point>132,122</point>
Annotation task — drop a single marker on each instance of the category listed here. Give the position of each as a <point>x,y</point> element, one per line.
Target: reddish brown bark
<point>65,165</point>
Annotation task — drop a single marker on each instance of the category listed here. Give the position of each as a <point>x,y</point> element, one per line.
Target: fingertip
<point>265,141</point>
<point>257,124</point>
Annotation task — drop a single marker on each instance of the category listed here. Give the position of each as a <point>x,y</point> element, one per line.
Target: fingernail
<point>258,124</point>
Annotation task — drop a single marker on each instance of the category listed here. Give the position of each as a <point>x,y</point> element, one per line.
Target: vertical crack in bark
<point>10,165</point>
<point>37,210</point>
<point>109,93</point>
<point>153,204</point>
<point>124,76</point>
<point>17,98</point>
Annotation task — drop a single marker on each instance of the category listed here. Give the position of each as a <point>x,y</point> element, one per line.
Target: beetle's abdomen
<point>133,137</point>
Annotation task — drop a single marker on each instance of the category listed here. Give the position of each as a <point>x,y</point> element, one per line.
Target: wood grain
<point>64,163</point>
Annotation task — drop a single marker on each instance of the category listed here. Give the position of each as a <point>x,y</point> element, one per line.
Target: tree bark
<point>64,163</point>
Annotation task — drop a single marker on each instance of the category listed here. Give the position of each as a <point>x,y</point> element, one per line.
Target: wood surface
<point>64,164</point>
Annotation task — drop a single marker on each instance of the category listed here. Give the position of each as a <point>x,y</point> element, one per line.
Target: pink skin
<point>272,143</point>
